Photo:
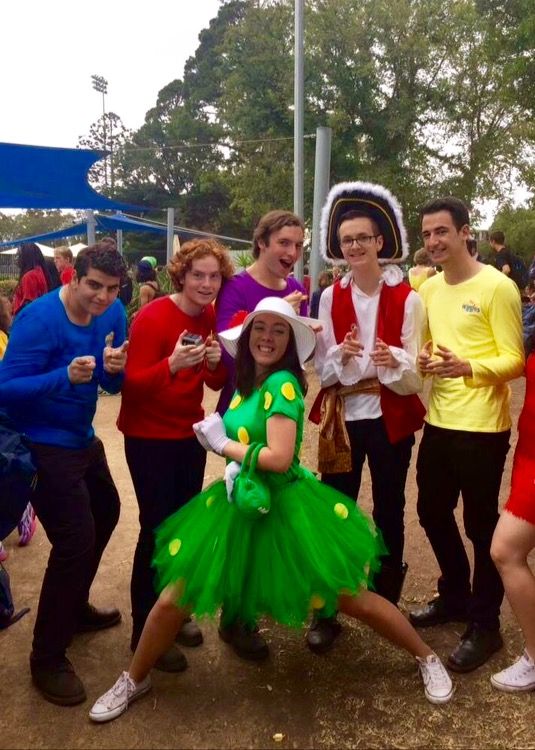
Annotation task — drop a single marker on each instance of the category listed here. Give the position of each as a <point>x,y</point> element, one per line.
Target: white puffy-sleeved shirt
<point>403,379</point>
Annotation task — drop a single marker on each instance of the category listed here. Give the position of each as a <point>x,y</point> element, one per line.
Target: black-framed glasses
<point>364,240</point>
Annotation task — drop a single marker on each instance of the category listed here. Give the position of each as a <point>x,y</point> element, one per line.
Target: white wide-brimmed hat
<point>305,338</point>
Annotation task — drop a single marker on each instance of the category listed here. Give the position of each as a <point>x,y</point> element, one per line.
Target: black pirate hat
<point>378,203</point>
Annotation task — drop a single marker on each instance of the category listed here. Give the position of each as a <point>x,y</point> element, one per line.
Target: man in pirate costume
<point>366,359</point>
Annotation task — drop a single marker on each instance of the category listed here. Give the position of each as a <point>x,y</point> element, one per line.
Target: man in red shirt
<point>63,260</point>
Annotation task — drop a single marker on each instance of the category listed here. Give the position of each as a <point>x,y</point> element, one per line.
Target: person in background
<point>324,280</point>
<point>473,348</point>
<point>528,318</point>
<point>61,348</point>
<point>5,323</point>
<point>367,363</point>
<point>161,399</point>
<point>63,260</point>
<point>55,279</point>
<point>34,279</point>
<point>514,538</point>
<point>310,544</point>
<point>277,246</point>
<point>149,288</point>
<point>421,270</point>
<point>502,259</point>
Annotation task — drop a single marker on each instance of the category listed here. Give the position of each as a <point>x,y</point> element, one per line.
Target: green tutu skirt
<point>312,546</point>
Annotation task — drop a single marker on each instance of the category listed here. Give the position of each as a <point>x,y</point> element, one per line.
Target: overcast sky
<point>49,49</point>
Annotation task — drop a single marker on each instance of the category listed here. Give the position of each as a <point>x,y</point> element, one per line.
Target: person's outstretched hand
<point>211,433</point>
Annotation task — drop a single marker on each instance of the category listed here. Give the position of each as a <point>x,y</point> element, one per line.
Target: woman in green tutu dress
<point>303,545</point>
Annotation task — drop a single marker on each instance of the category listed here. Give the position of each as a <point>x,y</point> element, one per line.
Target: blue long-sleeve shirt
<point>35,389</point>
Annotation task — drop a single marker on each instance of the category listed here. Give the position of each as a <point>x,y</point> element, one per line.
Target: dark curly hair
<point>102,256</point>
<point>195,249</point>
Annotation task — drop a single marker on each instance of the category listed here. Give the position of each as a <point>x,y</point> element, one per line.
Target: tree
<point>32,222</point>
<point>518,225</point>
<point>108,133</point>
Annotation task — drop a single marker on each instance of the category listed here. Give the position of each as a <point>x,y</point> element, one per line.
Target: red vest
<point>403,415</point>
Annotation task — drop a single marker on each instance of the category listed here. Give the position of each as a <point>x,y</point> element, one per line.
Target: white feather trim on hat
<point>365,187</point>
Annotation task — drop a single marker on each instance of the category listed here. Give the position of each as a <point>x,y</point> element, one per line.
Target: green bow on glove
<point>251,494</point>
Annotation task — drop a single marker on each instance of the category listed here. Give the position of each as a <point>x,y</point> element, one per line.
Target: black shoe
<point>246,641</point>
<point>92,618</point>
<point>58,682</point>
<point>389,582</point>
<point>322,634</point>
<point>172,661</point>
<point>476,647</point>
<point>190,634</point>
<point>435,612</point>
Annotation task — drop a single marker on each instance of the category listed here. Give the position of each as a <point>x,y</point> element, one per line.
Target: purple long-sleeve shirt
<point>243,293</point>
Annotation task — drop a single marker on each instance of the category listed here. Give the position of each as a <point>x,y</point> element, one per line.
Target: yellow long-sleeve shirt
<point>480,320</point>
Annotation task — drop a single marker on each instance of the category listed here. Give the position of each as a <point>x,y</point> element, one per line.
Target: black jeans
<point>453,462</point>
<point>389,464</point>
<point>78,505</point>
<point>166,474</point>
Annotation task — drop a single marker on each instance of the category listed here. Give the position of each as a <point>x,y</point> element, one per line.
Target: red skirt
<point>521,502</point>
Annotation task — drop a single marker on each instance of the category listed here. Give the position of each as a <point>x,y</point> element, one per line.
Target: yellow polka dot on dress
<point>341,510</point>
<point>174,547</point>
<point>268,400</point>
<point>243,436</point>
<point>236,401</point>
<point>210,501</point>
<point>288,391</point>
<point>317,601</point>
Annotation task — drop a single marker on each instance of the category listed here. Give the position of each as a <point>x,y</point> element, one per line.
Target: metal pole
<point>120,241</point>
<point>299,100</point>
<point>91,228</point>
<point>170,232</point>
<point>105,139</point>
<point>322,169</point>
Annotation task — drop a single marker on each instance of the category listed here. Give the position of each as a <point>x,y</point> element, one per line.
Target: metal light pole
<point>299,106</point>
<point>100,84</point>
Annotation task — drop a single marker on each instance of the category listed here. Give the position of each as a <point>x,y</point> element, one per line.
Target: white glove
<point>214,435</point>
<point>231,472</point>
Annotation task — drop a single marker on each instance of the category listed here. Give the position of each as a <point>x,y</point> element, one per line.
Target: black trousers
<point>78,506</point>
<point>389,464</point>
<point>450,463</point>
<point>166,474</point>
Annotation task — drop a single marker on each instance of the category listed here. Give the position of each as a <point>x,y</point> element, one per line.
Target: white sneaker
<point>518,678</point>
<point>437,682</point>
<point>115,702</point>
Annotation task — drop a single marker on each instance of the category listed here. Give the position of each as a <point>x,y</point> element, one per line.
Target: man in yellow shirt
<point>474,348</point>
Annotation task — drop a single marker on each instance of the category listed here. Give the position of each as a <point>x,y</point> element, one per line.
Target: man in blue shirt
<point>62,348</point>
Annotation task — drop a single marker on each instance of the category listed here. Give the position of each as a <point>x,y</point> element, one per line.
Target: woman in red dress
<point>514,539</point>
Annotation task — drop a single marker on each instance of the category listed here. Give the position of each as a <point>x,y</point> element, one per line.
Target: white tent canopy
<point>47,251</point>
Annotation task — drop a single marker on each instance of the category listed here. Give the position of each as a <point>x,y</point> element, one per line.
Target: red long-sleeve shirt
<point>156,404</point>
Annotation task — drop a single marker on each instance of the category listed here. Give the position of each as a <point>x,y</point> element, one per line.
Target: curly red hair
<point>199,247</point>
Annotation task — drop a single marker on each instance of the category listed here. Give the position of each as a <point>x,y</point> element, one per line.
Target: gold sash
<point>334,449</point>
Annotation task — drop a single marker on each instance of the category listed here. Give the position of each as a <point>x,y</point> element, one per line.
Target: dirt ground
<point>364,694</point>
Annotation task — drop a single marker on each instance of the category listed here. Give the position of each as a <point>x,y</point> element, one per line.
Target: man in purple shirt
<point>277,246</point>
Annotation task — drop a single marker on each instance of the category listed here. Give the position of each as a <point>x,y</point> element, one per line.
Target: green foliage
<point>29,223</point>
<point>425,96</point>
<point>7,287</point>
<point>518,225</point>
<point>242,260</point>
